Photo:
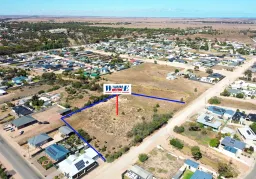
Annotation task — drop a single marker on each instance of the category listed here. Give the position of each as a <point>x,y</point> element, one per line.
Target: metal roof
<point>207,120</point>
<point>192,163</point>
<point>141,172</point>
<point>37,140</point>
<point>65,130</point>
<point>228,141</point>
<point>23,121</point>
<point>201,175</point>
<point>56,152</point>
<point>21,110</point>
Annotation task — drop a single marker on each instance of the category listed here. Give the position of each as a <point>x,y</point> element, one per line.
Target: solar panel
<point>79,165</point>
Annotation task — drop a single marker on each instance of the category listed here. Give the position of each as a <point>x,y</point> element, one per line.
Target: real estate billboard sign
<point>117,89</point>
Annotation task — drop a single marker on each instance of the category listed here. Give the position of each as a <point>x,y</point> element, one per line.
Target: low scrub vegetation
<point>176,143</point>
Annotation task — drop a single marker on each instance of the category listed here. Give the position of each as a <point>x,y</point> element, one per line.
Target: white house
<point>77,166</point>
<point>247,134</point>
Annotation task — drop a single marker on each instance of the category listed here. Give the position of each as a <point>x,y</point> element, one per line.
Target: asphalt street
<point>18,163</point>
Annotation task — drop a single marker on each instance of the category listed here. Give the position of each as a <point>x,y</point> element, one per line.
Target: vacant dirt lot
<point>161,164</point>
<point>110,130</point>
<point>233,103</point>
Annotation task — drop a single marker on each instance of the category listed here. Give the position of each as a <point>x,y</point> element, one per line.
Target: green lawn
<point>188,174</point>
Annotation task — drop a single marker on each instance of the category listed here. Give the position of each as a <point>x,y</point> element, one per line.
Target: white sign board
<point>117,88</point>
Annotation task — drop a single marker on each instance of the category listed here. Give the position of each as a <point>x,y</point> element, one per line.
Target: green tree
<point>214,142</point>
<point>225,93</point>
<point>85,135</point>
<point>143,157</point>
<point>177,70</point>
<point>248,73</point>
<point>240,95</point>
<point>179,129</point>
<point>176,143</point>
<point>214,100</point>
<point>209,71</point>
<point>195,151</point>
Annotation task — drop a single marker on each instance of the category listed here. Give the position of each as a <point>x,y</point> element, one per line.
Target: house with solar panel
<point>232,146</point>
<point>56,152</point>
<point>209,121</point>
<point>76,166</point>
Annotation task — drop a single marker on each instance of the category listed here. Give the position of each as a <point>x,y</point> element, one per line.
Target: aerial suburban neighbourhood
<point>110,96</point>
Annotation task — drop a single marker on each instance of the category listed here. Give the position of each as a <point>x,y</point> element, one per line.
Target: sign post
<point>117,89</point>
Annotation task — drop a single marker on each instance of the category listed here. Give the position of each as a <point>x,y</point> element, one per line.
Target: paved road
<point>115,169</point>
<point>16,161</point>
<point>252,174</point>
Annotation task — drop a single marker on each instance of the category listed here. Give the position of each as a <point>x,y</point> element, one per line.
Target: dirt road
<point>114,170</point>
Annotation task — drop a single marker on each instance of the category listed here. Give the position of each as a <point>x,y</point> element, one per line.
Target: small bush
<point>179,129</point>
<point>143,157</point>
<point>214,100</point>
<point>176,143</point>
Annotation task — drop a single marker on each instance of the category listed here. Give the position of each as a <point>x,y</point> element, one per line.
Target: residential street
<point>18,163</point>
<point>115,169</point>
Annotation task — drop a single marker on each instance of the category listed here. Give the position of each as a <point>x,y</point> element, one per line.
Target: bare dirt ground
<point>111,130</point>
<point>51,115</point>
<point>161,164</point>
<point>233,103</point>
<point>23,92</point>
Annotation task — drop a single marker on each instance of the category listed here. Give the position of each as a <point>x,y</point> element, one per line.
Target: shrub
<point>225,93</point>
<point>209,71</point>
<point>240,95</point>
<point>214,100</point>
<point>196,152</point>
<point>41,92</point>
<point>214,142</point>
<point>85,135</point>
<point>226,171</point>
<point>178,129</point>
<point>143,157</point>
<point>176,143</point>
<point>253,127</point>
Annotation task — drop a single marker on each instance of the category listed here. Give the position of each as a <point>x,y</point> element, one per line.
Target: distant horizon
<point>132,8</point>
<point>85,16</point>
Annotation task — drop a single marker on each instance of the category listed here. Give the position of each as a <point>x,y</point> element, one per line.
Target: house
<point>39,140</point>
<point>234,92</point>
<point>208,121</point>
<point>65,111</point>
<point>65,130</point>
<point>56,152</point>
<point>91,153</point>
<point>138,172</point>
<point>239,117</point>
<point>247,134</point>
<point>23,121</point>
<point>77,166</point>
<point>227,130</point>
<point>21,111</point>
<point>201,175</point>
<point>191,165</point>
<point>251,117</point>
<point>2,92</point>
<point>19,80</point>
<point>216,110</point>
<point>232,145</point>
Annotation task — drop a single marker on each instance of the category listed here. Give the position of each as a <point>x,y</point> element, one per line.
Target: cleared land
<point>233,103</point>
<point>161,164</point>
<point>110,130</point>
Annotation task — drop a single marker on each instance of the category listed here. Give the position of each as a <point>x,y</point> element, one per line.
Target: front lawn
<point>188,174</point>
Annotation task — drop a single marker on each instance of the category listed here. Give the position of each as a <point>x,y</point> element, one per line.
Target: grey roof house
<point>65,130</point>
<point>39,140</point>
<point>232,145</point>
<point>23,121</point>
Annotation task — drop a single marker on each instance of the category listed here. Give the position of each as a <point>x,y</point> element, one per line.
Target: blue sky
<point>131,8</point>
